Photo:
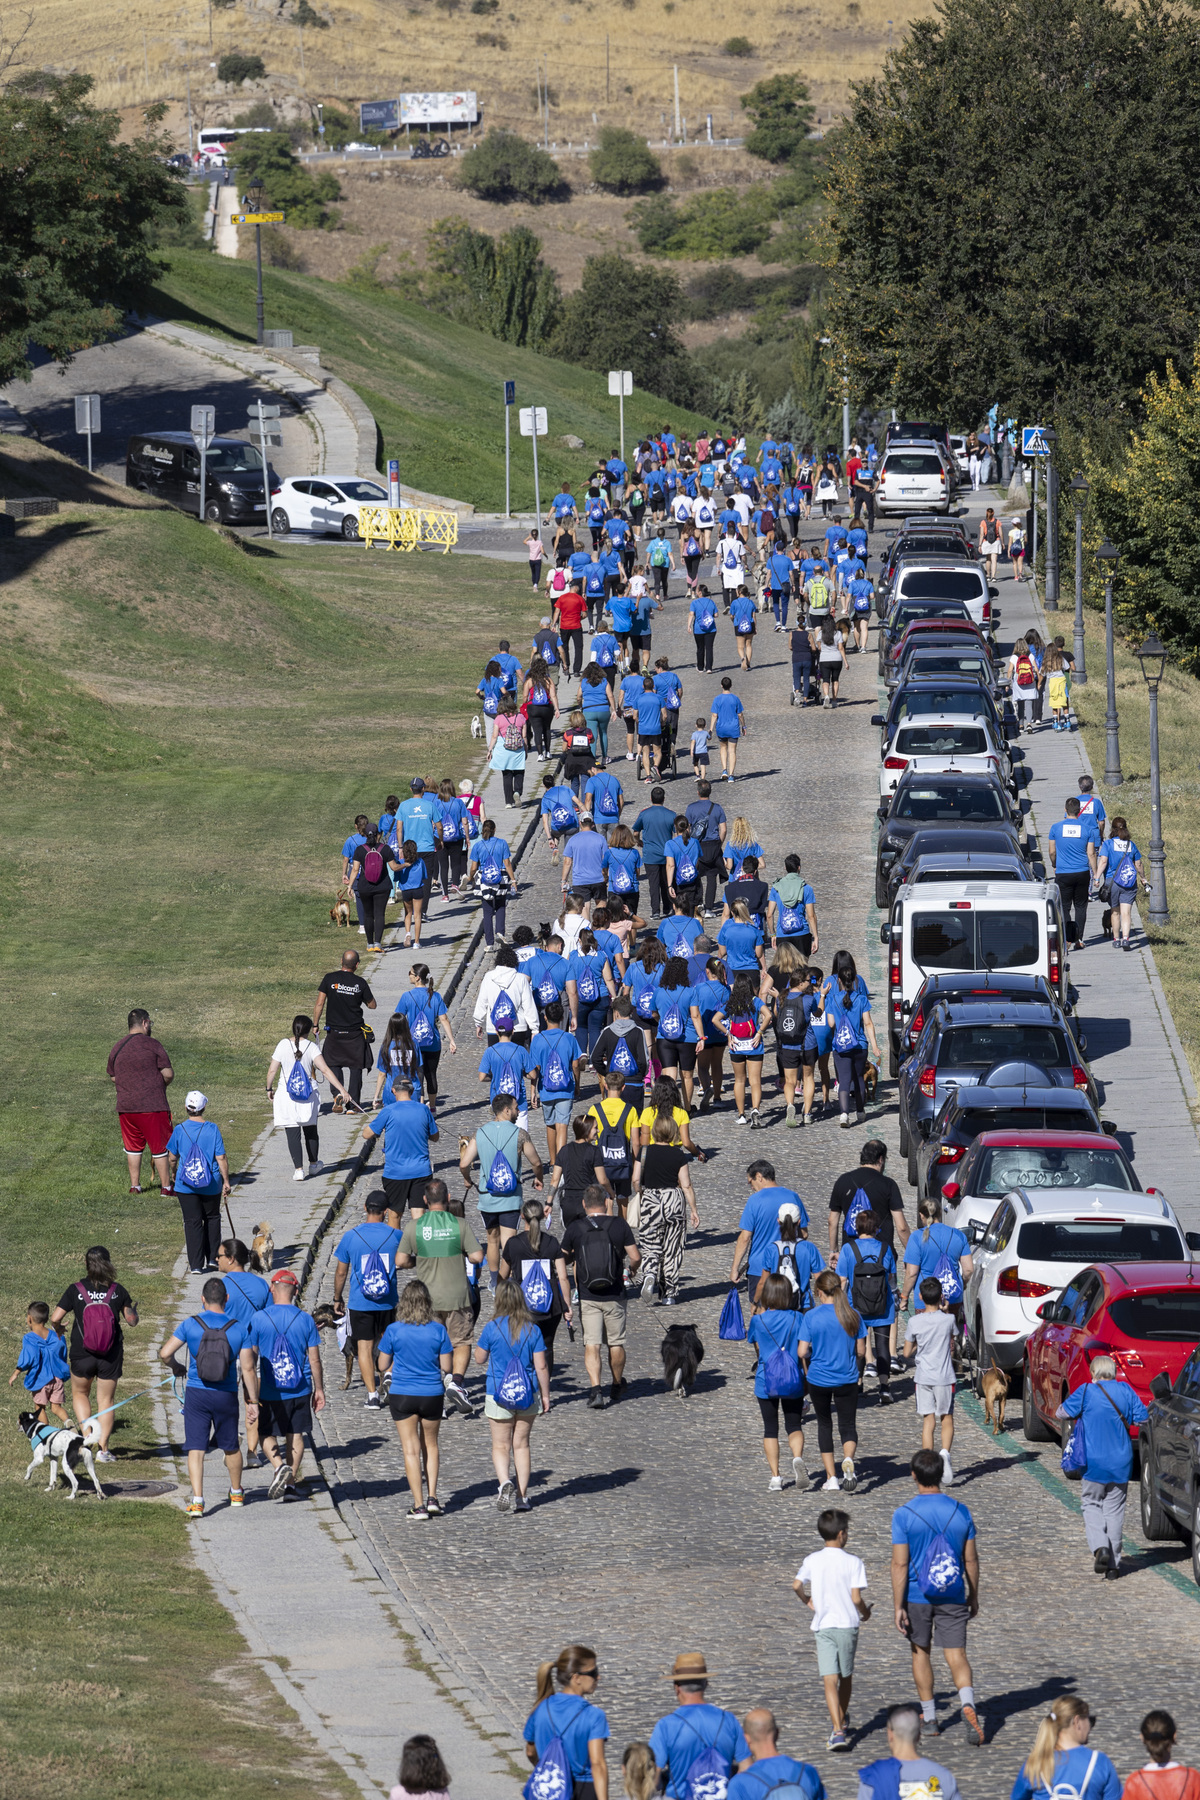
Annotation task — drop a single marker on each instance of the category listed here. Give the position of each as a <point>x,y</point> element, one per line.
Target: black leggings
<point>704,648</point>
<point>574,638</point>
<point>881,1339</point>
<point>312,1143</point>
<point>374,914</point>
<point>793,1414</point>
<point>539,720</point>
<point>452,863</point>
<point>429,1068</point>
<point>350,1079</point>
<point>845,1399</point>
<point>201,1228</point>
<point>493,920</point>
<point>514,784</point>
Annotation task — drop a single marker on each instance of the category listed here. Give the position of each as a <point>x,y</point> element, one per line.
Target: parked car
<point>916,430</point>
<point>944,741</point>
<point>948,637</point>
<point>968,986</point>
<point>932,536</point>
<point>1146,1316</point>
<point>1038,1242</point>
<point>914,472</point>
<point>323,503</point>
<point>167,463</point>
<point>948,576</point>
<point>970,1111</point>
<point>1170,1457</point>
<point>920,696</point>
<point>999,1161</point>
<point>901,614</point>
<point>942,661</point>
<point>958,450</point>
<point>947,801</point>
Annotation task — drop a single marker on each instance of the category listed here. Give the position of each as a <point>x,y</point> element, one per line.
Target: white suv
<point>912,476</point>
<point>936,743</point>
<point>1037,1242</point>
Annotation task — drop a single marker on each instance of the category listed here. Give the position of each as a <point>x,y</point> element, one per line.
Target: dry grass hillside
<point>145,50</point>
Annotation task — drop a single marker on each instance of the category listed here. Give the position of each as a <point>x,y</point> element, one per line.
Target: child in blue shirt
<point>44,1362</point>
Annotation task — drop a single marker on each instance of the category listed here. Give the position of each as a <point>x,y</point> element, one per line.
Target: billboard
<point>379,115</point>
<point>439,109</point>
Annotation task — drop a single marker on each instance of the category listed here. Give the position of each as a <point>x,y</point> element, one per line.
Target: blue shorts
<point>210,1418</point>
<point>557,1112</point>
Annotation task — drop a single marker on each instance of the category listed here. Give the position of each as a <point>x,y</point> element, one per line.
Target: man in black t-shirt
<point>599,1270</point>
<point>342,996</point>
<point>886,1202</point>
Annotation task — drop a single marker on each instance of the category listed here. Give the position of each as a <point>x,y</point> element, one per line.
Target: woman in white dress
<point>297,1103</point>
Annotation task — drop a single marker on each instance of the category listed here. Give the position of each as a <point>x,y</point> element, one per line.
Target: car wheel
<point>881,893</point>
<point>893,1061</point>
<point>905,1140</point>
<point>213,513</point>
<point>1156,1522</point>
<point>1196,1539</point>
<point>912,1165</point>
<point>1036,1432</point>
<point>280,523</point>
<point>350,528</point>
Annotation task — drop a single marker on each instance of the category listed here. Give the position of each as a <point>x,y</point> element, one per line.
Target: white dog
<point>62,1444</point>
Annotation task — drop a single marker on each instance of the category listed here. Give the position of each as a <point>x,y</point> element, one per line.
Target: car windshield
<point>924,606</point>
<point>950,800</point>
<point>979,1046</point>
<point>946,662</point>
<point>932,873</point>
<point>362,490</point>
<point>912,462</point>
<point>975,940</point>
<point>1169,1318</point>
<point>943,584</point>
<point>942,740</point>
<point>1049,1166</point>
<point>915,703</point>
<point>1082,1241</point>
<point>975,1119</point>
<point>945,543</point>
<point>233,459</point>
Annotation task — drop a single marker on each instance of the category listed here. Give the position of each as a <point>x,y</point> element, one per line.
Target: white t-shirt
<point>832,652</point>
<point>742,507</point>
<point>637,589</point>
<point>933,1334</point>
<point>287,1110</point>
<point>830,1574</point>
<point>681,510</point>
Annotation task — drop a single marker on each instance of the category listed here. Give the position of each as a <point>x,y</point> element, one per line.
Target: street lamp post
<point>254,194</point>
<point>1153,658</point>
<point>1079,488</point>
<point>1109,555</point>
<point>1051,437</point>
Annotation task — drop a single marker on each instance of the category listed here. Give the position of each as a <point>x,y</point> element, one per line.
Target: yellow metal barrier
<point>406,527</point>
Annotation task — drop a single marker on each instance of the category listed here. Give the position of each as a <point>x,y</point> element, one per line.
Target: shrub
<point>782,115</point>
<point>289,186</point>
<point>305,15</point>
<point>340,129</point>
<point>505,167</point>
<point>623,163</point>
<point>738,46</point>
<point>623,316</point>
<point>237,67</point>
<point>717,223</point>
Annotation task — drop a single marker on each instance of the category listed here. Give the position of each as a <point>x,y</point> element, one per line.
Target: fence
<point>406,527</point>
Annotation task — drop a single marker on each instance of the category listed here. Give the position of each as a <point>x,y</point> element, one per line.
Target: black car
<point>968,1112</point>
<point>960,848</point>
<point>920,695</point>
<point>167,463</point>
<point>901,615</point>
<point>950,662</point>
<point>1169,1442</point>
<point>966,643</point>
<point>945,537</point>
<point>947,802</point>
<point>970,984</point>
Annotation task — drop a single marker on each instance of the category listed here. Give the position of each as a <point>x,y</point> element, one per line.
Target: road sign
<point>620,381</point>
<point>510,392</point>
<point>249,218</point>
<point>1032,441</point>
<point>204,426</point>
<point>527,416</point>
<point>393,476</point>
<point>87,413</point>
<point>260,410</point>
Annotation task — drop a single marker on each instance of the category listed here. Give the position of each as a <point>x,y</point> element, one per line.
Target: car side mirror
<point>993,593</point>
<point>1108,1127</point>
<point>1160,1387</point>
<point>885,932</point>
<point>1048,1311</point>
<point>951,1192</point>
<point>877,719</point>
<point>1193,1237</point>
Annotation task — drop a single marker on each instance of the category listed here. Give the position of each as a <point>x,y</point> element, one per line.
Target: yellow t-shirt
<point>607,1112</point>
<point>646,1122</point>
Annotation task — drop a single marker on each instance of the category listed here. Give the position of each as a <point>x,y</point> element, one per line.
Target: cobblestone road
<point>652,1529</point>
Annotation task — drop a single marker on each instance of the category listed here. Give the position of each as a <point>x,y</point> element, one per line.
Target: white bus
<point>213,142</point>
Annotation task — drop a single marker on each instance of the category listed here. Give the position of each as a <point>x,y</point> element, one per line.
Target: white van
<point>987,925</point>
<point>948,578</point>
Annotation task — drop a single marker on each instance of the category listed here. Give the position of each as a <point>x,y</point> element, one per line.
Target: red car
<point>1144,1315</point>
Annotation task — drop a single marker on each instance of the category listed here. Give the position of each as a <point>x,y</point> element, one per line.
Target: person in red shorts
<point>568,619</point>
<point>142,1071</point>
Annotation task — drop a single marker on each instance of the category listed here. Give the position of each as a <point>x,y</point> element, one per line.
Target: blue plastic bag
<point>732,1323</point>
<point>1074,1453</point>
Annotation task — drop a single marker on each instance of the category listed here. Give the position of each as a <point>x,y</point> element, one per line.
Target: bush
<point>262,113</point>
<point>782,115</point>
<point>237,67</point>
<point>622,316</point>
<point>505,167</point>
<point>499,285</point>
<point>289,186</point>
<point>340,128</point>
<point>305,15</point>
<point>623,163</point>
<point>738,46</point>
<point>717,223</point>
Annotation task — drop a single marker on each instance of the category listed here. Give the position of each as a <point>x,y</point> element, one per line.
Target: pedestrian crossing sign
<point>1033,443</point>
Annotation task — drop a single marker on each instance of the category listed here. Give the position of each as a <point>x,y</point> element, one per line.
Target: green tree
<point>235,65</point>
<point>505,167</point>
<point>719,222</point>
<point>623,163</point>
<point>1009,219</point>
<point>340,128</point>
<point>288,185</point>
<point>78,212</point>
<point>782,116</point>
<point>499,285</point>
<point>625,317</point>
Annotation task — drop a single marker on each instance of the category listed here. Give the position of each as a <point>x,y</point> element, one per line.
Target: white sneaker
<point>799,1472</point>
<point>316,1168</point>
<point>362,931</point>
<point>297,1174</point>
<point>832,1486</point>
<point>775,1485</point>
<point>947,1468</point>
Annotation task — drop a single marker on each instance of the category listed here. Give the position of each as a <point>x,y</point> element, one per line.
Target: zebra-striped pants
<point>661,1230</point>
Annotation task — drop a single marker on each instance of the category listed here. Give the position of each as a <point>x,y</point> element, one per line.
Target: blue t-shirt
<point>351,845</point>
<point>189,1331</point>
<point>579,563</point>
<point>489,856</point>
<point>630,692</point>
<point>832,1362</point>
<point>780,567</point>
<point>587,851</point>
<point>685,1734</point>
<point>1071,1774</point>
<point>703,615</point>
<point>729,712</point>
<point>1109,1447</point>
<point>655,824</point>
<point>710,997</point>
<point>792,921</point>
<point>677,934</point>
<point>489,690</point>
<point>845,1013</point>
<point>1071,838</point>
<point>578,967</point>
<point>1116,860</point>
<point>621,608</point>
<point>669,689</point>
<point>760,1217</point>
<point>604,649</point>
<point>506,1066</point>
<point>452,817</point>
<point>593,579</point>
<point>276,1321</point>
<point>355,1247</point>
<point>606,795</point>
<point>741,614</point>
<point>870,1250</point>
<point>740,942</point>
<point>737,854</point>
<point>545,1048</point>
<point>563,505</point>
<point>806,1259</point>
<point>406,1126</point>
<point>685,854</point>
<point>501,1351</point>
<point>418,1002</point>
<point>412,876</point>
<point>649,714</point>
<point>594,697</point>
<point>925,1250</point>
<point>414,1350</point>
<point>919,1521</point>
<point>546,972</point>
<point>568,1716</point>
<point>771,1331</point>
<point>416,818</point>
<point>203,1136</point>
<point>43,1359</point>
<point>1091,806</point>
<point>623,870</point>
<point>246,1294</point>
<point>670,1003</point>
<point>861,594</point>
<point>769,1772</point>
<point>558,805</point>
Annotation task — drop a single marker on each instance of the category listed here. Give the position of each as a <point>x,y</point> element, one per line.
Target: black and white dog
<point>682,1354</point>
<point>62,1444</point>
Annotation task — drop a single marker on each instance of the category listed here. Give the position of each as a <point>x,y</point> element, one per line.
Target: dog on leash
<point>682,1354</point>
<point>993,1385</point>
<point>63,1447</point>
<point>870,1081</point>
<point>263,1246</point>
<point>326,1319</point>
<point>339,912</point>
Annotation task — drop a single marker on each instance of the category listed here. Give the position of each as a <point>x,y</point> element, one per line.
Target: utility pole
<point>676,102</point>
<point>191,144</point>
<point>607,73</point>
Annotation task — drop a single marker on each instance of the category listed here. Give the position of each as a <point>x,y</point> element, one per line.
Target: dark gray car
<point>967,1112</point>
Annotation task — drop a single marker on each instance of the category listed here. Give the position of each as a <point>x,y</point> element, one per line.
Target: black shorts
<point>508,1221</point>
<point>802,944</point>
<point>791,1056</point>
<point>592,890</point>
<point>655,741</point>
<point>812,1056</point>
<point>947,1621</point>
<point>410,1192</point>
<point>100,1368</point>
<point>417,1406</point>
<point>675,1055</point>
<point>369,1326</point>
<point>285,1418</point>
<point>793,1414</point>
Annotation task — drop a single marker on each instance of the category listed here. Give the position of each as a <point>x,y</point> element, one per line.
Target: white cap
<point>196,1101</point>
<point>789,1210</point>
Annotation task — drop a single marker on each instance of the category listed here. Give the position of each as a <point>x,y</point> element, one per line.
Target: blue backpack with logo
<point>504,1014</point>
<point>643,1006</point>
<point>284,1365</point>
<point>708,1772</point>
<point>514,1389</point>
<point>501,1177</point>
<point>552,1778</point>
<point>561,814</point>
<point>589,987</point>
<point>706,619</point>
<point>845,1037</point>
<point>1126,875</point>
<point>670,1022</point>
<point>781,1372</point>
<point>622,1061</point>
<point>197,1170</point>
<point>539,1296</point>
<point>547,988</point>
<point>686,865</point>
<point>946,1271</point>
<point>622,880</point>
<point>555,1078</point>
<point>374,1280</point>
<point>860,1203</point>
<point>939,1573</point>
<point>299,1087</point>
<point>608,804</point>
<point>508,1081</point>
<point>792,921</point>
<point>424,1033</point>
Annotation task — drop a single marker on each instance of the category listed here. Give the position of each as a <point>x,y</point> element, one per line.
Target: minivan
<point>911,474</point>
<point>167,463</point>
<point>947,577</point>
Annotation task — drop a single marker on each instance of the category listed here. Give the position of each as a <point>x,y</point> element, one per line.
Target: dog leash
<point>168,1381</point>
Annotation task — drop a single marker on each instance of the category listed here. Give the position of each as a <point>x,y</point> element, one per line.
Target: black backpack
<point>598,1261</point>
<point>613,1144</point>
<point>869,1285</point>
<point>792,1024</point>
<point>213,1356</point>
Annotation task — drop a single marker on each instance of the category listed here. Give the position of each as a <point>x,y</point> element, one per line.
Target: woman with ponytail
<point>833,1345</point>
<point>848,1015</point>
<point>572,1715</point>
<point>296,1102</point>
<point>1060,1762</point>
<point>533,1248</point>
<point>427,1020</point>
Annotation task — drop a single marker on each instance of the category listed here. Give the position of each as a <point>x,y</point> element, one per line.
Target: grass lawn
<point>186,732</point>
<point>435,388</point>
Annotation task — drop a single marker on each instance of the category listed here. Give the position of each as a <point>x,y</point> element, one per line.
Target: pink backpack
<point>97,1325</point>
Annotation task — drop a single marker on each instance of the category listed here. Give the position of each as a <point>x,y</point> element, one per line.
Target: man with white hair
<point>919,1776</point>
<point>1107,1408</point>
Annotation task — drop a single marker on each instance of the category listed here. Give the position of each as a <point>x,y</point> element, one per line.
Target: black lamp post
<point>254,196</point>
<point>1079,489</point>
<point>1108,556</point>
<point>1051,438</point>
<point>1153,658</point>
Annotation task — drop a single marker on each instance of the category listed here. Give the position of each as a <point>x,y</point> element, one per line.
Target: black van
<point>167,463</point>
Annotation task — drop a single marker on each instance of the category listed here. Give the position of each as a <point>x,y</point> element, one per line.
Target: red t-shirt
<point>570,610</point>
<point>852,468</point>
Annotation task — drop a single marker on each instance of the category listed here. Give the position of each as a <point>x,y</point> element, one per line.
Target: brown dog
<point>262,1245</point>
<point>870,1081</point>
<point>339,912</point>
<point>993,1385</point>
<point>326,1319</point>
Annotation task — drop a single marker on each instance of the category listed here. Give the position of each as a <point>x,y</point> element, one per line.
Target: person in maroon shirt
<point>142,1071</point>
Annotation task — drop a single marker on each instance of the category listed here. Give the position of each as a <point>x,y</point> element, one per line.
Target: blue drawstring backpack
<point>686,864</point>
<point>781,1372</point>
<point>561,815</point>
<point>539,1296</point>
<point>1126,875</point>
<point>374,1279</point>
<point>622,1061</point>
<point>1074,1452</point>
<point>552,1778</point>
<point>622,880</point>
<point>947,1273</point>
<point>732,1325</point>
<point>504,1014</point>
<point>424,1035</point>
<point>555,1079</point>
<point>845,1037</point>
<point>284,1367</point>
<point>299,1087</point>
<point>939,1573</point>
<point>644,1004</point>
<point>608,803</point>
<point>197,1170</point>
<point>500,1177</point>
<point>707,1777</point>
<point>547,992</point>
<point>860,1203</point>
<point>508,1081</point>
<point>791,922</point>
<point>589,987</point>
<point>514,1389</point>
<point>670,1023</point>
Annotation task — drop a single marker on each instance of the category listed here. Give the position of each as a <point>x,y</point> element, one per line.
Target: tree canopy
<point>1010,209</point>
<point>505,167</point>
<point>77,209</point>
<point>625,317</point>
<point>287,183</point>
<point>624,163</point>
<point>779,108</point>
<point>496,284</point>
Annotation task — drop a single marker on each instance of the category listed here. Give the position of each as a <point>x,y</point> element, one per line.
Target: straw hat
<point>690,1666</point>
